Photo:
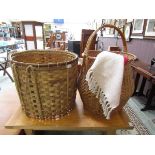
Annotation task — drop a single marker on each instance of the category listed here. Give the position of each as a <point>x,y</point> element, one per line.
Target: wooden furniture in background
<point>76,120</point>
<point>84,38</point>
<point>17,28</point>
<point>4,62</point>
<point>114,48</point>
<point>144,70</point>
<point>33,35</point>
<point>3,66</point>
<point>57,40</point>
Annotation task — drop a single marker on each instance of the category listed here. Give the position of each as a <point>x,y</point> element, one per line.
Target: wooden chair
<point>84,38</point>
<point>114,49</point>
<point>4,54</point>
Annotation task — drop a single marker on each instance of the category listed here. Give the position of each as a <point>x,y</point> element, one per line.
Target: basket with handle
<point>46,82</point>
<point>91,103</point>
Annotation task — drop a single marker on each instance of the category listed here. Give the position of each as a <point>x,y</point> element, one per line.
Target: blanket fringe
<point>94,88</point>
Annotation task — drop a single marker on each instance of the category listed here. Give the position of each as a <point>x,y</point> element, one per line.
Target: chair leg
<point>5,69</point>
<point>149,101</point>
<point>6,72</point>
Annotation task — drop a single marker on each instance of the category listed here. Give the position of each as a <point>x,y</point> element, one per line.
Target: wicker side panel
<point>127,86</point>
<point>27,90</point>
<point>20,77</point>
<point>90,102</point>
<point>57,91</point>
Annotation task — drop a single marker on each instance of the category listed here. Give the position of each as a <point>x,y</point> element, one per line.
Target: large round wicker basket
<point>46,82</point>
<point>91,103</point>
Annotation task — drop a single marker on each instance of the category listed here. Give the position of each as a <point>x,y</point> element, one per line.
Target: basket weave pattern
<point>91,103</point>
<point>47,90</point>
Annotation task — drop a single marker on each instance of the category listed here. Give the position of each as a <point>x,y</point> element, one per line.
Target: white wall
<point>74,27</point>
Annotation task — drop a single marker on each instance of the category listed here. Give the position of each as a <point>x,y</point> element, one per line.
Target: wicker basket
<point>46,82</point>
<point>91,103</point>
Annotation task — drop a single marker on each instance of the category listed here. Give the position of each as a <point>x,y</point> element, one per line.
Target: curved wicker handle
<point>95,32</point>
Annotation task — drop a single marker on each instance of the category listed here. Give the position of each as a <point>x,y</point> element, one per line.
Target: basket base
<point>50,117</point>
<point>100,115</point>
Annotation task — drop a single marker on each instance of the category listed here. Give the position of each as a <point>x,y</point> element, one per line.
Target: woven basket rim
<point>131,56</point>
<point>42,52</point>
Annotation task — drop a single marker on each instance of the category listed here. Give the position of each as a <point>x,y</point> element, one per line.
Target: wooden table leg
<point>140,93</point>
<point>136,83</point>
<point>148,104</point>
<point>28,132</point>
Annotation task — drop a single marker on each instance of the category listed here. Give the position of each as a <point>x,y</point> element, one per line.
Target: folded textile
<point>105,80</point>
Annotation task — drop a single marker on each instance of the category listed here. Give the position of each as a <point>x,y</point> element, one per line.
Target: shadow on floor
<point>42,132</point>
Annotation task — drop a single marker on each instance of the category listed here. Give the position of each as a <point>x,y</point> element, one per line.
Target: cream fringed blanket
<point>105,80</point>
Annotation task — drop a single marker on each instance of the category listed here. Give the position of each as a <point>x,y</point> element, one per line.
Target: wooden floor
<point>6,110</point>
